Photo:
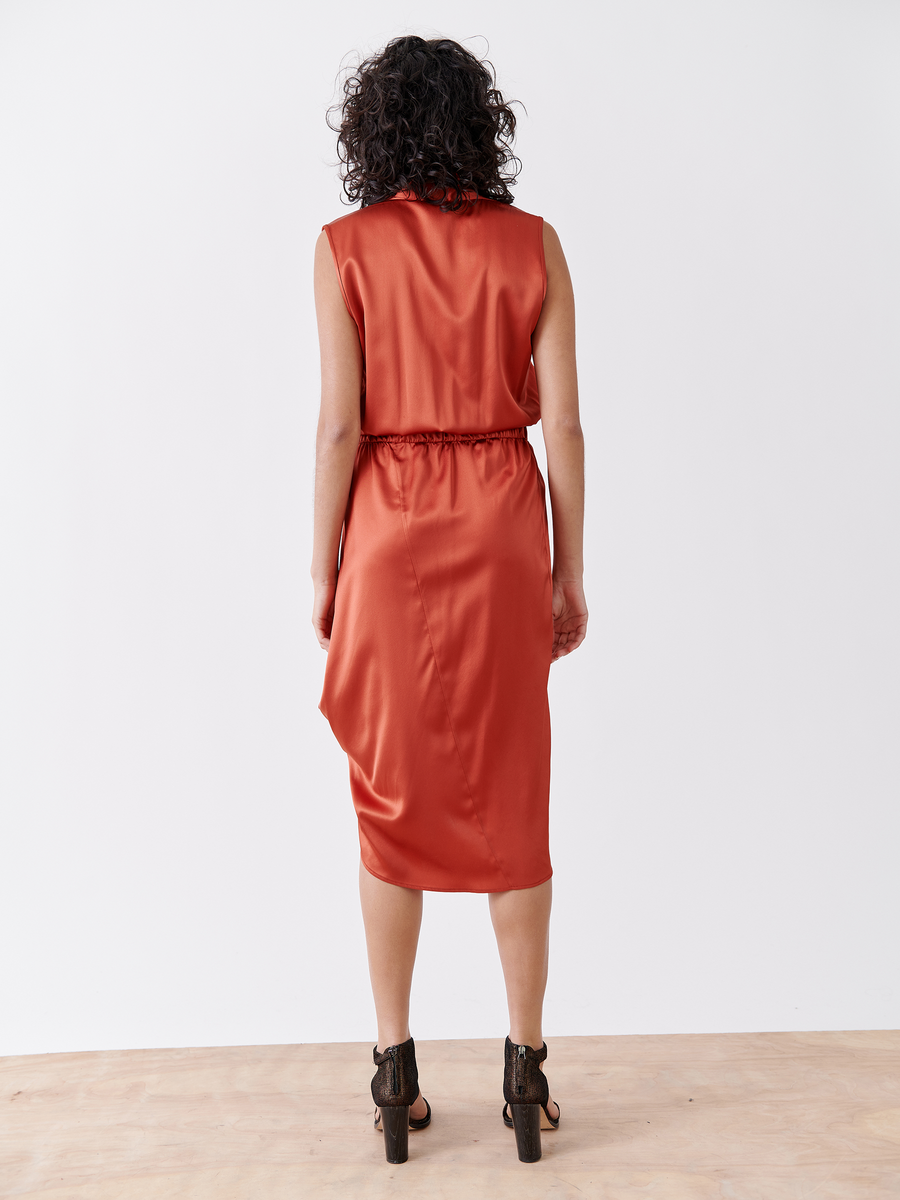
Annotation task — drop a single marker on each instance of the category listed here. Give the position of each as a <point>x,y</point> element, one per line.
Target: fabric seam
<point>437,668</point>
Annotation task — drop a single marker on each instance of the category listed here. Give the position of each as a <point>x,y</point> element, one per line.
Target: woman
<point>446,326</point>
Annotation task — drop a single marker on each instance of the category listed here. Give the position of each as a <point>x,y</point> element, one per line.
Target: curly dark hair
<point>426,116</point>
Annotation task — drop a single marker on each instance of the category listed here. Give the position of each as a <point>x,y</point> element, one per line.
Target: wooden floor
<point>766,1116</point>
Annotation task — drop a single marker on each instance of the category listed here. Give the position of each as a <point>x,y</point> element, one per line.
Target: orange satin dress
<point>436,677</point>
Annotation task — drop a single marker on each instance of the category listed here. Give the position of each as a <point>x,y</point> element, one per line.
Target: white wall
<point>179,847</point>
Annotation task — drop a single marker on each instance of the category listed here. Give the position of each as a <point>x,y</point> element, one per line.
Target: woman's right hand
<point>323,610</point>
<point>570,616</point>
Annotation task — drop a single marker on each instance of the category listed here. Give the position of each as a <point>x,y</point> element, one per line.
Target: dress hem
<point>473,891</point>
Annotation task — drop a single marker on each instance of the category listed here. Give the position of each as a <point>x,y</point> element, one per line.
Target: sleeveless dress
<point>437,671</point>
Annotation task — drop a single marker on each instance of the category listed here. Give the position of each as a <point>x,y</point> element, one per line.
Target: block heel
<point>527,1124</point>
<point>396,1132</point>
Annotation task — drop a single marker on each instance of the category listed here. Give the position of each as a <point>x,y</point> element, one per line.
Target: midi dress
<point>436,679</point>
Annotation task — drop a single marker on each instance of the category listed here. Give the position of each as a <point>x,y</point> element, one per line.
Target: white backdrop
<point>179,847</point>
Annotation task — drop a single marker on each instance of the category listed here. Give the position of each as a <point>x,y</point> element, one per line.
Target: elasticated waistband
<point>487,436</point>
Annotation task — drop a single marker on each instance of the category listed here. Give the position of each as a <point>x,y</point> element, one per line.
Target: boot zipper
<point>520,1070</point>
<point>394,1088</point>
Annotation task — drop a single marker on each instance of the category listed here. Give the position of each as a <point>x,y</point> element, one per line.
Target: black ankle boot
<point>395,1087</point>
<point>526,1091</point>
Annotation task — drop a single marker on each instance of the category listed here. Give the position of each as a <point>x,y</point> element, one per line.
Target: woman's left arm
<point>337,436</point>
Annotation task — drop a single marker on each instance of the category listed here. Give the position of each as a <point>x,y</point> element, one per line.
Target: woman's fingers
<point>568,639</point>
<point>323,639</point>
<point>570,617</point>
<point>323,614</point>
<point>323,630</point>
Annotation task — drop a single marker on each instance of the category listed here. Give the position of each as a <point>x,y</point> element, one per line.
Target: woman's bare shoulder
<point>552,244</point>
<point>558,277</point>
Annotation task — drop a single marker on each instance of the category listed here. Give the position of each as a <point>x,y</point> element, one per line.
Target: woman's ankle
<point>383,1042</point>
<point>527,1037</point>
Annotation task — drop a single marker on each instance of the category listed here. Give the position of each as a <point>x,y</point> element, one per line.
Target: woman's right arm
<point>337,436</point>
<point>553,350</point>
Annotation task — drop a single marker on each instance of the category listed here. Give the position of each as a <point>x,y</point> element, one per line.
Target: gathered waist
<point>482,436</point>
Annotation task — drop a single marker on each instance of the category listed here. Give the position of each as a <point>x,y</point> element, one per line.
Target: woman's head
<point>425,115</point>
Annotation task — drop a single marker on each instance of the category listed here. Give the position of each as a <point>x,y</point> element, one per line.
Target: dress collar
<point>408,194</point>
